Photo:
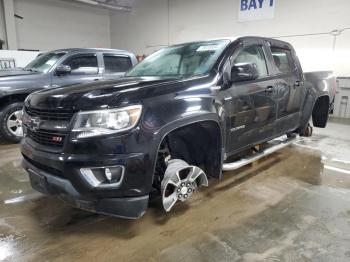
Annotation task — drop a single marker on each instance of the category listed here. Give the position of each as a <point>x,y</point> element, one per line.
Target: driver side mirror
<point>63,70</point>
<point>244,72</point>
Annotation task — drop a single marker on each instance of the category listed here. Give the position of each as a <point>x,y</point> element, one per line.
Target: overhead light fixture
<point>90,2</point>
<point>116,7</point>
<point>106,5</point>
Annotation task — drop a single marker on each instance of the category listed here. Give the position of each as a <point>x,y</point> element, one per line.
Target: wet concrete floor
<point>293,205</point>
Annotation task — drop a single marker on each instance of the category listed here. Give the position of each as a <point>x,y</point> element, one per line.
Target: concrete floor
<point>291,206</point>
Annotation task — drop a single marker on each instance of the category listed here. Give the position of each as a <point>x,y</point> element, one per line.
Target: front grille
<point>47,120</point>
<point>47,138</point>
<point>50,114</point>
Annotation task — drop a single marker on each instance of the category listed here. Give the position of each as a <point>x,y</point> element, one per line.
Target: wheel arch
<point>210,121</point>
<point>13,98</point>
<point>316,107</point>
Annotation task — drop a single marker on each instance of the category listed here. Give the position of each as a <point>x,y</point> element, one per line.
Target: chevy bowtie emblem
<point>34,123</point>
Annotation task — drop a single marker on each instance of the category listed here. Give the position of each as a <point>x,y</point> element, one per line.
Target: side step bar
<point>277,144</point>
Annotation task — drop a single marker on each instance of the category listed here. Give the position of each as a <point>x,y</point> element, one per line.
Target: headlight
<point>106,121</point>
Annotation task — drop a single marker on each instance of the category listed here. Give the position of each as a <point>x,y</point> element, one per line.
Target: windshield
<point>44,62</point>
<point>181,60</point>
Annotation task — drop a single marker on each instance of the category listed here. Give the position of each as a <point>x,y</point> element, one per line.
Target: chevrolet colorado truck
<point>176,119</point>
<point>55,69</point>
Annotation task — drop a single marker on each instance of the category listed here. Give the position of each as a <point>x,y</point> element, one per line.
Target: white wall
<point>2,22</point>
<point>147,29</point>
<point>53,24</point>
<point>22,58</point>
<point>145,26</point>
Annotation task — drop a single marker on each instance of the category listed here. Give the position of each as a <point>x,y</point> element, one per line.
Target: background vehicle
<point>55,69</point>
<point>174,121</point>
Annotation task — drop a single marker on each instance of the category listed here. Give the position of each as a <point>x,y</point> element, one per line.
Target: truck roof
<point>83,50</point>
<point>234,38</point>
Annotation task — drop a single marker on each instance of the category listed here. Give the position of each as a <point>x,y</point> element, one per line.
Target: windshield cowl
<point>31,70</point>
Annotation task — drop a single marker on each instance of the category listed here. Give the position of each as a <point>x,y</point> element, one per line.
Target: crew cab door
<point>115,65</point>
<point>289,84</point>
<point>83,68</point>
<point>252,104</point>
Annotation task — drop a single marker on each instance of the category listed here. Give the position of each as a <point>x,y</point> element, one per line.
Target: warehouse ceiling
<point>119,5</point>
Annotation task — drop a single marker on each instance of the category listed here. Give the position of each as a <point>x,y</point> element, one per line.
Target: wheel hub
<point>180,181</point>
<point>184,190</point>
<point>14,123</point>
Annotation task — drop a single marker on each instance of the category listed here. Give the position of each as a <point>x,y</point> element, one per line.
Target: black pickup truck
<point>176,119</point>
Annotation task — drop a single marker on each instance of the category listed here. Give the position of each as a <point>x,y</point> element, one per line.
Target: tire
<point>11,122</point>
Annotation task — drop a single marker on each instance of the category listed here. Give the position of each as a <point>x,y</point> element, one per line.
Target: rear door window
<point>282,59</point>
<point>116,64</point>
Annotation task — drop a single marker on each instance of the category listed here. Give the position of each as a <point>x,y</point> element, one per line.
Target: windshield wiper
<point>31,70</point>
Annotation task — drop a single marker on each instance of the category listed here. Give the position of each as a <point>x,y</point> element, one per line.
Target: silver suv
<point>55,69</point>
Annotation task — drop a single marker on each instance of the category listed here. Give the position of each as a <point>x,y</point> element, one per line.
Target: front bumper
<point>46,183</point>
<point>138,169</point>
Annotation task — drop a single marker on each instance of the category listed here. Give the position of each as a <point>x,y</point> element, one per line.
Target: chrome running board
<point>277,144</point>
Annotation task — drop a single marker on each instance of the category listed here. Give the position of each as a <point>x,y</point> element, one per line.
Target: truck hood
<point>98,95</point>
<point>16,73</point>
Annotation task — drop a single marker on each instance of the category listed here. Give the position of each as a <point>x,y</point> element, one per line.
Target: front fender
<point>178,123</point>
<point>162,118</point>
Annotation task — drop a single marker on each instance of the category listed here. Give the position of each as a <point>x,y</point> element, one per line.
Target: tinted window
<point>84,64</point>
<point>283,59</point>
<point>115,64</point>
<point>252,54</point>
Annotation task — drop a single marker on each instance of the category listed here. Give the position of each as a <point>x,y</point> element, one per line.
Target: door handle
<point>96,79</point>
<point>269,89</point>
<point>297,83</point>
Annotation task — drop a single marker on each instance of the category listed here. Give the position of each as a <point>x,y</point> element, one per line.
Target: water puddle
<point>336,172</point>
<point>14,183</point>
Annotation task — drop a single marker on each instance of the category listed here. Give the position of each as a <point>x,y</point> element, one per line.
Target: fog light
<point>108,174</point>
<point>103,176</point>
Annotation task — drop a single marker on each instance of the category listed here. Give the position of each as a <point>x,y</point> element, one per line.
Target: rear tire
<point>11,122</point>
